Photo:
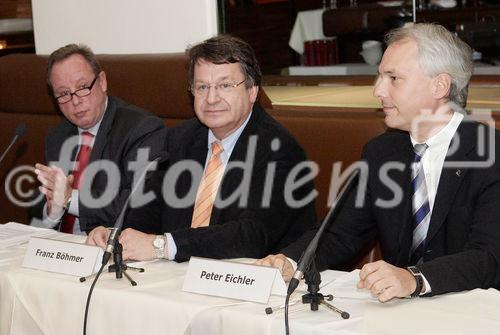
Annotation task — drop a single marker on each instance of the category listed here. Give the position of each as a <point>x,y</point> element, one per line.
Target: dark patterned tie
<point>421,209</point>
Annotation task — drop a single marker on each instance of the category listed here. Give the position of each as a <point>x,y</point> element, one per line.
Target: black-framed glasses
<point>82,92</point>
<point>202,90</point>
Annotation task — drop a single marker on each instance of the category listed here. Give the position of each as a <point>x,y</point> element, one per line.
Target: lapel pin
<point>458,172</point>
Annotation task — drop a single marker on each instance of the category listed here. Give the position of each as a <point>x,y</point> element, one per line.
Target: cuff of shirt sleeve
<point>426,285</point>
<point>294,263</point>
<point>171,247</point>
<point>73,205</point>
<point>51,222</point>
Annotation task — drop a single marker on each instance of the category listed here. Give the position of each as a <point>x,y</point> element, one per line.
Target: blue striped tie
<point>421,209</point>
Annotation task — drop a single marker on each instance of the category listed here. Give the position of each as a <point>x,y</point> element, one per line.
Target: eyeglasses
<point>224,87</point>
<point>82,92</point>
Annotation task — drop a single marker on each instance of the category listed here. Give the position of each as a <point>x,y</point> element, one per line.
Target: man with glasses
<point>225,210</point>
<point>104,129</point>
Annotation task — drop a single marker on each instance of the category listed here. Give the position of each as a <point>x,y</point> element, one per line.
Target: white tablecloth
<point>308,27</point>
<point>35,302</point>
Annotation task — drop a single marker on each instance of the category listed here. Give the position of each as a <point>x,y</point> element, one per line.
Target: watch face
<point>159,242</point>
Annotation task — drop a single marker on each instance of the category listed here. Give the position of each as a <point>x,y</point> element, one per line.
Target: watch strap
<point>67,204</point>
<point>419,280</point>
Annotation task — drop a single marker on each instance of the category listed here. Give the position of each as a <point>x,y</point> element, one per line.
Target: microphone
<point>20,130</point>
<point>115,232</point>
<point>310,252</point>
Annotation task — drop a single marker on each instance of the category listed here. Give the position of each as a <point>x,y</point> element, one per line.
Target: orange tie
<point>82,160</point>
<point>207,191</point>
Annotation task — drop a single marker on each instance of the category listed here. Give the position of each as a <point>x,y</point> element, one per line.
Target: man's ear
<point>254,90</point>
<point>441,86</point>
<point>103,81</point>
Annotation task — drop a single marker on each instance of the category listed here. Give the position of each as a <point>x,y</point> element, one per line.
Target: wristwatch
<point>418,278</point>
<point>159,246</point>
<point>67,204</point>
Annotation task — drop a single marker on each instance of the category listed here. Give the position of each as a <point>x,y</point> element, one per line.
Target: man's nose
<point>213,95</point>
<point>379,89</point>
<point>75,99</point>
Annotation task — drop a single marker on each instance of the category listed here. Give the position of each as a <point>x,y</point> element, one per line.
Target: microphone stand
<point>315,298</point>
<point>116,230</point>
<point>20,130</point>
<point>119,267</point>
<point>306,266</point>
<point>114,247</point>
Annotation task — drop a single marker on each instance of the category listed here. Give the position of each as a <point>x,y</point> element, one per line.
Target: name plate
<point>62,257</point>
<point>230,280</point>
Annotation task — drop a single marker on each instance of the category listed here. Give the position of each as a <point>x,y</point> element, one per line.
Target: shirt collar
<point>229,142</point>
<point>445,135</point>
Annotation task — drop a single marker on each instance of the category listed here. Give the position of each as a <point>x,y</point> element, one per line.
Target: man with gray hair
<point>433,185</point>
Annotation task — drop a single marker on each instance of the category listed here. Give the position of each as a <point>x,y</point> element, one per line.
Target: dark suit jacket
<point>234,231</point>
<point>124,129</point>
<point>463,240</point>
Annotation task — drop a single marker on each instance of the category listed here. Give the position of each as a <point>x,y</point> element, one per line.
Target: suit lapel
<point>401,221</point>
<point>70,132</point>
<point>104,129</point>
<point>199,146</point>
<point>232,179</point>
<point>450,180</point>
<point>197,151</point>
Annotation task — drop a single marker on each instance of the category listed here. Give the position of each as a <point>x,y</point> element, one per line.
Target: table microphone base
<point>119,267</point>
<point>314,298</point>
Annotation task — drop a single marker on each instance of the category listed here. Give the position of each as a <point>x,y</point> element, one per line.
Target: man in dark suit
<point>239,202</point>
<point>433,184</point>
<point>100,131</point>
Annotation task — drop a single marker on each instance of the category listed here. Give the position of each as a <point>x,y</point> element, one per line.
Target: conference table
<point>36,302</point>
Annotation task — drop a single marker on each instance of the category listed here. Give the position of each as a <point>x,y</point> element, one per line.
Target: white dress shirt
<point>434,156</point>
<point>433,161</point>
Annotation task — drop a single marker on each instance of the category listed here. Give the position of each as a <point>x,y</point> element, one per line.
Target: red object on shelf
<point>332,52</point>
<point>309,59</point>
<point>320,52</point>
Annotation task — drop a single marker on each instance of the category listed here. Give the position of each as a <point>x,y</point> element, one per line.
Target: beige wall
<point>123,26</point>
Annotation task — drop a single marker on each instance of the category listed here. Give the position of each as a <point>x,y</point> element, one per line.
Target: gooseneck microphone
<point>115,232</point>
<point>310,252</point>
<point>20,131</point>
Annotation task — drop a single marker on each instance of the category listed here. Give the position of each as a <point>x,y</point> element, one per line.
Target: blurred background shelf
<point>16,27</point>
<point>347,69</point>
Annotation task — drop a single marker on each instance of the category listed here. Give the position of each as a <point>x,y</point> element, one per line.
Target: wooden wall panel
<point>15,9</point>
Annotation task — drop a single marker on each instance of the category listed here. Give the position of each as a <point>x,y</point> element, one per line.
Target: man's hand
<point>280,262</point>
<point>98,236</point>
<point>137,245</point>
<point>386,281</point>
<point>56,187</point>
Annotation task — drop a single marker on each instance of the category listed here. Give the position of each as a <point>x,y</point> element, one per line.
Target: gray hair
<point>440,51</point>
